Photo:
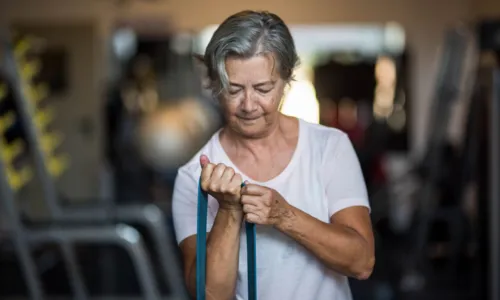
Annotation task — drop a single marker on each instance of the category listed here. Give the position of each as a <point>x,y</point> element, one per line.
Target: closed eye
<point>234,91</point>
<point>264,91</point>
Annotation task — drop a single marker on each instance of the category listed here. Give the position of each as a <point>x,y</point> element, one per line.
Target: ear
<point>198,58</point>
<point>199,63</point>
<point>201,69</point>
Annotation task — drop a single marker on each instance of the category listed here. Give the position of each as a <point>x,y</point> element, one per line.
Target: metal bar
<point>495,189</point>
<point>74,273</point>
<point>153,219</point>
<point>26,112</point>
<point>7,202</point>
<point>142,265</point>
<point>122,235</point>
<point>446,94</point>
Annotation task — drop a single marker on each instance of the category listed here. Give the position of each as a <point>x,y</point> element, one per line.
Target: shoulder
<point>325,140</point>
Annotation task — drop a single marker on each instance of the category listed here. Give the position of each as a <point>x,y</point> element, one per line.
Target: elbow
<point>364,270</point>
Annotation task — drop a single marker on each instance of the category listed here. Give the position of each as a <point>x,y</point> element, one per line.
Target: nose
<point>248,104</point>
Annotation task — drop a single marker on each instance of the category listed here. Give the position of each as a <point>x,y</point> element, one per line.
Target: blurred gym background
<point>101,102</point>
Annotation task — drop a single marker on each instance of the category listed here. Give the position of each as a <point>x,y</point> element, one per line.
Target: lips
<point>248,119</point>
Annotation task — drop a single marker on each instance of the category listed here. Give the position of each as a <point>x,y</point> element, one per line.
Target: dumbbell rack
<point>7,192</point>
<point>111,219</point>
<point>122,235</point>
<point>27,111</point>
<point>10,211</point>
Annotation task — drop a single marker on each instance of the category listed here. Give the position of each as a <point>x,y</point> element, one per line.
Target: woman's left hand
<point>262,205</point>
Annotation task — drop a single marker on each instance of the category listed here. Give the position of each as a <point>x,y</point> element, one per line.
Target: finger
<point>236,181</point>
<point>226,179</point>
<point>250,209</point>
<point>252,218</point>
<point>204,160</point>
<point>206,174</point>
<point>234,186</point>
<point>218,171</point>
<point>253,189</point>
<point>251,200</point>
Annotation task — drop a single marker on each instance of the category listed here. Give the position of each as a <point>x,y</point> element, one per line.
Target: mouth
<point>248,119</point>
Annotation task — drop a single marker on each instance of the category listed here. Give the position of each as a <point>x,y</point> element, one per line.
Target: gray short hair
<point>246,34</point>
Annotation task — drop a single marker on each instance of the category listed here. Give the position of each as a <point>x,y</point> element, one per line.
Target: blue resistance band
<point>201,250</point>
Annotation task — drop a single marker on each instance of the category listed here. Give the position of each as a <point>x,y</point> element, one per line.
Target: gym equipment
<point>488,32</point>
<point>124,236</point>
<point>183,120</point>
<point>201,249</point>
<point>494,201</point>
<point>448,89</point>
<point>64,237</point>
<point>430,169</point>
<point>169,136</point>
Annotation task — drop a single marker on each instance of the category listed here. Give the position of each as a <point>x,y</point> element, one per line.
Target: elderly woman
<point>304,187</point>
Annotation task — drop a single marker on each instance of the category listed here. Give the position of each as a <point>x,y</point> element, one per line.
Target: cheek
<point>230,106</point>
<point>272,101</point>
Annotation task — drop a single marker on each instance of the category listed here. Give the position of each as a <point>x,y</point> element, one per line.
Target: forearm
<point>341,248</point>
<point>222,256</point>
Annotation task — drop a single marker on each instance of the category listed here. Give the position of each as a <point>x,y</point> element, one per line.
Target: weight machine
<point>494,205</point>
<point>488,32</point>
<point>485,104</point>
<point>447,93</point>
<point>71,224</point>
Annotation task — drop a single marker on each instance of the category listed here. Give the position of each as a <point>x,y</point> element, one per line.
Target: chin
<point>250,130</point>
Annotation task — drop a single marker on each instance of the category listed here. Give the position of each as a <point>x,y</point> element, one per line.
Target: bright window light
<point>301,102</point>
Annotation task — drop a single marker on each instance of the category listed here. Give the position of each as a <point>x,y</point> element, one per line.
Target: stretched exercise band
<point>201,250</point>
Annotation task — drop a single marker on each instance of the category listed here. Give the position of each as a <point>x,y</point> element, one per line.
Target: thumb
<point>204,160</point>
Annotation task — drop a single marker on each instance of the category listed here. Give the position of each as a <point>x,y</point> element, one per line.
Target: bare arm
<point>346,244</point>
<point>222,256</point>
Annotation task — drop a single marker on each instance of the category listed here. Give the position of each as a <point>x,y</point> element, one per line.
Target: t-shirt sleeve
<point>344,181</point>
<point>185,205</point>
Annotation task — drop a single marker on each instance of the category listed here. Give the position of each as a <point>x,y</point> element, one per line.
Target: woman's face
<point>255,91</point>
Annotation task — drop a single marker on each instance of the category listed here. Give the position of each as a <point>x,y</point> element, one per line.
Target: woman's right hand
<point>222,183</point>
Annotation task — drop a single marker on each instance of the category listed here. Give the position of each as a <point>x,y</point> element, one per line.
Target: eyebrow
<point>255,85</point>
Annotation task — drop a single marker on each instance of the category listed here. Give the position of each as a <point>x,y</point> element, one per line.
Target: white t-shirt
<point>322,178</point>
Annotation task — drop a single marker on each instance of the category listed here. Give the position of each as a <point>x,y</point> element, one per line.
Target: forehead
<point>256,68</point>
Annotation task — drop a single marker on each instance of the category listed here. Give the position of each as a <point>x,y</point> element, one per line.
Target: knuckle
<point>223,189</point>
<point>233,190</point>
<point>214,187</point>
<point>208,169</point>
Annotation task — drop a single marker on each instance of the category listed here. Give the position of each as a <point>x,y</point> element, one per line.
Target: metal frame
<point>151,217</point>
<point>8,204</point>
<point>494,177</point>
<point>448,81</point>
<point>121,235</point>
